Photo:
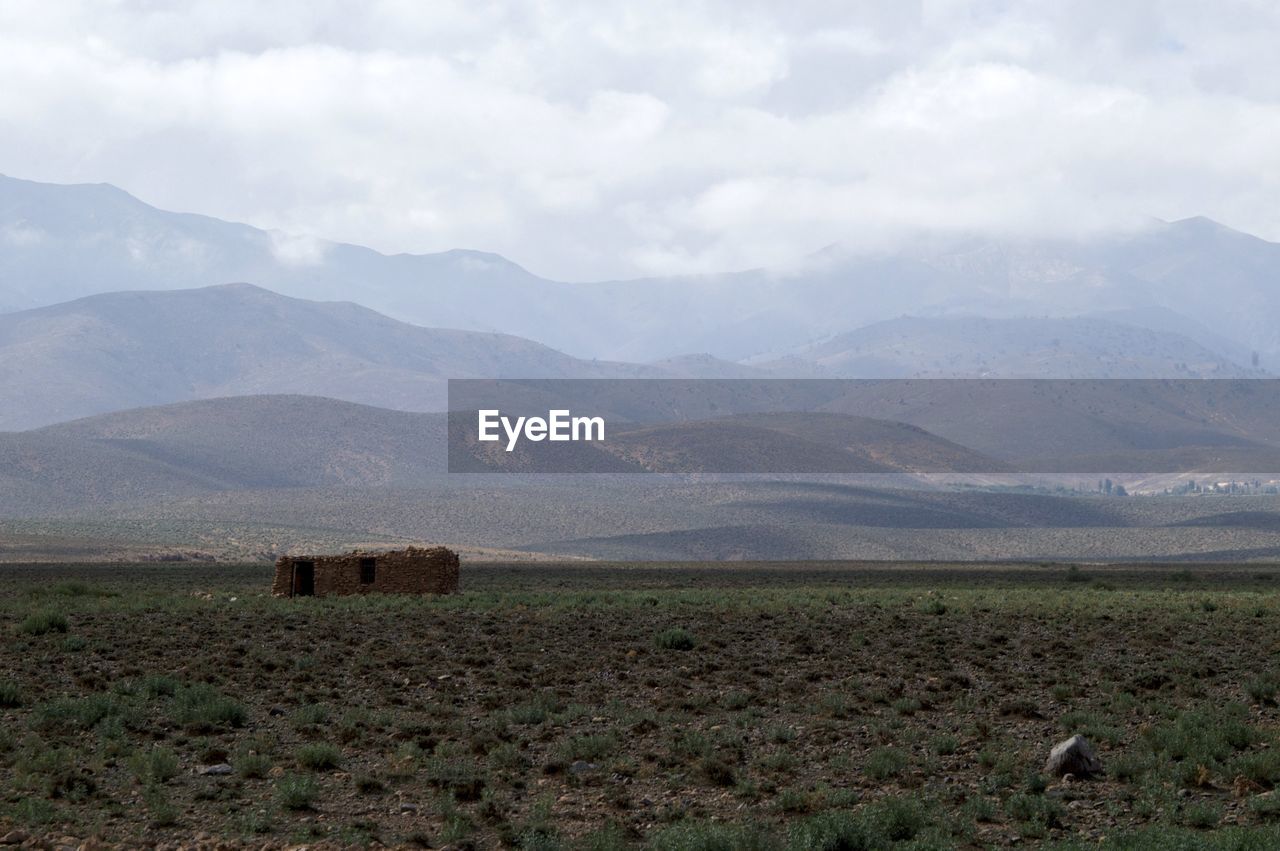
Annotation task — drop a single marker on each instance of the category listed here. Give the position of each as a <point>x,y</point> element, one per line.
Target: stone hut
<point>416,570</point>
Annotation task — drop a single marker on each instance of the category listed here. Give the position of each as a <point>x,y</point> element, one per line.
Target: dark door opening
<point>304,578</point>
<point>368,570</point>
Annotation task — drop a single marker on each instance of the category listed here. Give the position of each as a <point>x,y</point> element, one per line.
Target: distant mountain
<point>64,242</point>
<point>126,350</point>
<point>59,243</point>
<point>915,347</point>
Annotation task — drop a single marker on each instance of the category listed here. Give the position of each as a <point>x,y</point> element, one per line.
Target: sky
<point>597,139</point>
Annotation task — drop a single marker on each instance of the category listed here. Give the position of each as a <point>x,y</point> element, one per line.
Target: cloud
<point>298,251</point>
<point>595,140</point>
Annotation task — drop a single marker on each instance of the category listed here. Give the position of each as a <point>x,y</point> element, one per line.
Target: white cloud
<point>22,235</point>
<point>591,140</point>
<point>294,250</point>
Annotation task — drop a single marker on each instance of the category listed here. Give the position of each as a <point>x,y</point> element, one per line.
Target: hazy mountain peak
<point>62,242</point>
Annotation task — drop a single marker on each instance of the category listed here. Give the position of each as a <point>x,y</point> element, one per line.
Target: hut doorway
<point>304,578</point>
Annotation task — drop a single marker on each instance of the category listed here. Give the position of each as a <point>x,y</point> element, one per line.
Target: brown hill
<point>126,350</point>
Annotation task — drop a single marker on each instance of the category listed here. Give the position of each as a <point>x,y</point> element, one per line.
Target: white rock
<point>1075,756</point>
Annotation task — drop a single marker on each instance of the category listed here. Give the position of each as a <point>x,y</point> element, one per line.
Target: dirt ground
<point>669,706</point>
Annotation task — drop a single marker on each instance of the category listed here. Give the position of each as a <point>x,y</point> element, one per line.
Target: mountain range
<point>59,243</point>
<point>175,379</point>
<point>117,351</point>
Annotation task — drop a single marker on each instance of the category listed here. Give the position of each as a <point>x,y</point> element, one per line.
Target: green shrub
<point>884,763</point>
<point>793,801</point>
<point>296,792</point>
<point>368,784</point>
<point>158,765</point>
<point>932,606</point>
<point>75,713</point>
<point>980,809</point>
<point>311,715</point>
<point>253,765</point>
<point>43,622</point>
<point>33,811</point>
<point>161,813</point>
<point>1128,767</point>
<point>781,734</point>
<point>945,745</point>
<point>1201,816</point>
<point>675,638</point>
<point>894,820</point>
<point>1035,809</point>
<point>717,772</point>
<point>1207,738</point>
<point>1263,689</point>
<point>159,685</point>
<point>319,756</point>
<point>79,589</point>
<point>1265,807</point>
<point>1259,766</point>
<point>1093,725</point>
<point>457,777</point>
<point>611,837</point>
<point>10,695</point>
<point>704,836</point>
<point>534,711</point>
<point>201,708</point>
<point>589,747</point>
<point>691,744</point>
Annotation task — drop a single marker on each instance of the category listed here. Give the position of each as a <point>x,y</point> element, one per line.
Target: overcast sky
<point>603,139</point>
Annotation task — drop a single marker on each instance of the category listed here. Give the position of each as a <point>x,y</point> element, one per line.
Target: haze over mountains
<point>249,390</point>
<point>249,477</point>
<point>63,242</point>
<point>125,350</point>
<point>956,347</point>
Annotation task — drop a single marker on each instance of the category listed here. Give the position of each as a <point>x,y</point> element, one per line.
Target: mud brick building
<point>416,570</point>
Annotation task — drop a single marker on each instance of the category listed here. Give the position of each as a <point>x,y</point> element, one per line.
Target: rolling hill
<point>778,442</point>
<point>118,351</point>
<point>218,445</point>
<point>255,443</point>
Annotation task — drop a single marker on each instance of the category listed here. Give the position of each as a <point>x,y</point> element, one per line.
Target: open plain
<point>548,705</point>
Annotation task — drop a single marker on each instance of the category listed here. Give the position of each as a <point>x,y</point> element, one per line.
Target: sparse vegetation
<point>296,792</point>
<point>154,766</point>
<point>532,716</point>
<point>201,708</point>
<point>10,695</point>
<point>43,622</point>
<point>319,756</point>
<point>675,638</point>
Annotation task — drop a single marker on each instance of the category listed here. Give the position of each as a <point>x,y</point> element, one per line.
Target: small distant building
<point>416,570</point>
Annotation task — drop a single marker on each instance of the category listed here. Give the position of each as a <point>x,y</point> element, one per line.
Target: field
<point>669,706</point>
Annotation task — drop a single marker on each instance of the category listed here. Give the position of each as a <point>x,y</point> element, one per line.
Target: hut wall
<point>415,570</point>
